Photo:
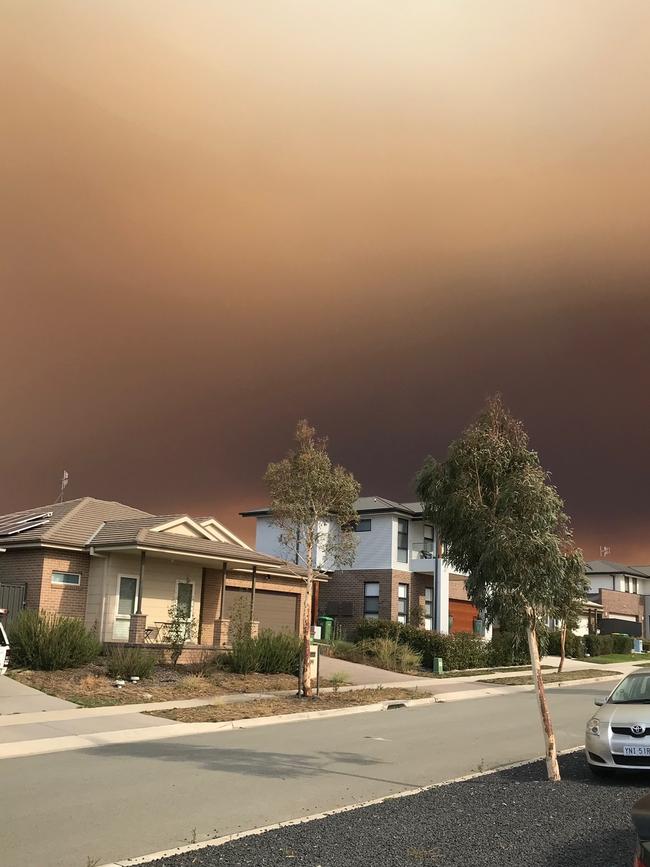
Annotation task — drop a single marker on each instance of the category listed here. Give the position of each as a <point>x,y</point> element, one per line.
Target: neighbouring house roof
<point>70,523</point>
<point>607,567</point>
<point>91,524</point>
<point>363,505</point>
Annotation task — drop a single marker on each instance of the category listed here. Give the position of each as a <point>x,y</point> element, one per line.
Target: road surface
<point>110,803</point>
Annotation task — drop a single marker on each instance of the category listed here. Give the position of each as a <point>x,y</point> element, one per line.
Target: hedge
<point>459,651</point>
<point>574,645</point>
<point>463,650</point>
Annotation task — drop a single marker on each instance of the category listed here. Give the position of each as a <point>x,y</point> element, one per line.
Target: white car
<point>4,650</point>
<point>618,736</point>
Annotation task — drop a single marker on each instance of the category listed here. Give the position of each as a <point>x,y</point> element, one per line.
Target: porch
<point>131,591</point>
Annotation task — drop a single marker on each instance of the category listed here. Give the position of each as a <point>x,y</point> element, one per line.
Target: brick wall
<point>67,600</point>
<point>342,596</point>
<point>24,567</point>
<point>615,602</point>
<point>211,596</point>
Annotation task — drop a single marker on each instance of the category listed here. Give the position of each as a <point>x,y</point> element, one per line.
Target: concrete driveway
<point>17,698</point>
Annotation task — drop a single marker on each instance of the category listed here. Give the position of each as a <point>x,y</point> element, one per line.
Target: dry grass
<point>89,686</point>
<point>285,704</point>
<point>552,677</point>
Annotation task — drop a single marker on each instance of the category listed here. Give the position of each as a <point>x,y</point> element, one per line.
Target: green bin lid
<point>325,617</point>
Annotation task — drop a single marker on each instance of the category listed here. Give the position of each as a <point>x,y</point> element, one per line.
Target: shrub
<point>508,648</point>
<point>126,662</point>
<point>574,645</point>
<point>390,654</point>
<point>646,646</point>
<point>277,652</point>
<point>47,642</point>
<point>269,653</point>
<point>459,651</point>
<point>343,650</point>
<point>622,643</point>
<point>338,679</point>
<point>242,659</point>
<point>603,645</point>
<point>178,630</point>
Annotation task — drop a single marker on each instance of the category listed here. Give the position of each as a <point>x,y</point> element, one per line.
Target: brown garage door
<point>274,610</point>
<point>463,614</point>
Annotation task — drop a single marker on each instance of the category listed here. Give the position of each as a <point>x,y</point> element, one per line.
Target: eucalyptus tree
<point>312,503</point>
<point>503,524</point>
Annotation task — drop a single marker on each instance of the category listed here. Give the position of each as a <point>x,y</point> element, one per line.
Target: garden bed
<point>553,677</point>
<point>90,686</point>
<point>285,705</point>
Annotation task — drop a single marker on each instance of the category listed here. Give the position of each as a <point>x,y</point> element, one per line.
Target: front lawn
<point>90,686</point>
<point>551,677</point>
<point>614,658</point>
<point>285,704</point>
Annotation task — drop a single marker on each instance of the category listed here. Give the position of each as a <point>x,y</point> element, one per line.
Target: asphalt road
<point>109,803</point>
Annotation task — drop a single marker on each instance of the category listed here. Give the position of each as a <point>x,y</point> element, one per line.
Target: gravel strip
<point>512,817</point>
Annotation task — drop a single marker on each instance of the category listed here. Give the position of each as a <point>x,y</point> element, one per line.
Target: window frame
<point>403,602</point>
<point>135,578</point>
<point>428,607</point>
<point>76,583</point>
<point>402,551</point>
<point>371,615</point>
<point>366,528</point>
<point>192,583</point>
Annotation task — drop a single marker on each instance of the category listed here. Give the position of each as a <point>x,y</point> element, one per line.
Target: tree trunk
<point>562,646</point>
<point>304,687</point>
<point>552,766</point>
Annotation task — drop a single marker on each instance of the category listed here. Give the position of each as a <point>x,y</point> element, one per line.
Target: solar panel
<point>11,526</point>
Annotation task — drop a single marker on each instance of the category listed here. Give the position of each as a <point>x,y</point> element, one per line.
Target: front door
<point>126,604</point>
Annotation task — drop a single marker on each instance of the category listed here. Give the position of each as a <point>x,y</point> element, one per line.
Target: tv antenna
<point>64,484</point>
<point>605,551</point>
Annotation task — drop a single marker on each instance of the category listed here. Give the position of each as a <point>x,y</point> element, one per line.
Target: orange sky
<point>219,217</point>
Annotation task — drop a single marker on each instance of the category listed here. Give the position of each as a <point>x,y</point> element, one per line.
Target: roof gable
<point>182,525</point>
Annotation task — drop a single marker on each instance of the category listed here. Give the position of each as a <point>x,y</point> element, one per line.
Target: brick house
<point>120,568</point>
<point>624,594</point>
<point>396,574</point>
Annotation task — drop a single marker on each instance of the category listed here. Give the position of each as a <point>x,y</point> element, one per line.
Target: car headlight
<point>593,727</point>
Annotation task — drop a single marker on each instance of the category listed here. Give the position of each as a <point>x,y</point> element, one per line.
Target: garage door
<point>274,610</point>
<point>463,614</point>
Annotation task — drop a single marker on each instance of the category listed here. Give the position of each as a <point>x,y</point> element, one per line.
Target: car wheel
<point>600,771</point>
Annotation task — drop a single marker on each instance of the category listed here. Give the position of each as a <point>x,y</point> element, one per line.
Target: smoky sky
<point>217,218</point>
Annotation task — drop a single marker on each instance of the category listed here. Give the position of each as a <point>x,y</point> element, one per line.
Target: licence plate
<point>636,751</point>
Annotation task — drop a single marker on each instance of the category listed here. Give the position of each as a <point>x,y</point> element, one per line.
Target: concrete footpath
<point>62,726</point>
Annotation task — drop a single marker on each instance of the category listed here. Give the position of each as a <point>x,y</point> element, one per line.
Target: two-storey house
<point>624,593</point>
<point>396,574</point>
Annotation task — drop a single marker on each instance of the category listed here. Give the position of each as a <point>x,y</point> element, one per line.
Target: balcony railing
<point>423,551</point>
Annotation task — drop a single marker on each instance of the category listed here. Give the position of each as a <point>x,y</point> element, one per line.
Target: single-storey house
<point>120,568</point>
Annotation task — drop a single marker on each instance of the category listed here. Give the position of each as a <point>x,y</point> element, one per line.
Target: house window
<point>364,526</point>
<point>402,603</point>
<point>402,540</point>
<point>630,584</point>
<point>184,594</point>
<point>68,579</point>
<point>371,600</point>
<point>428,608</point>
<point>128,595</point>
<point>428,537</point>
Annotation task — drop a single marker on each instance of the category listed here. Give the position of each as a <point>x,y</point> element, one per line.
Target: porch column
<point>142,556</point>
<point>440,593</point>
<point>221,633</point>
<point>138,621</point>
<point>253,624</point>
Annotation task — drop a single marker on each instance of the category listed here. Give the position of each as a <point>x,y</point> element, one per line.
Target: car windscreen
<point>633,690</point>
